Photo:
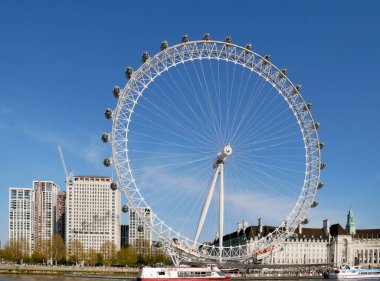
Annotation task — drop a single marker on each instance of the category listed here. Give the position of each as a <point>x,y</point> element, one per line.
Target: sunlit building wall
<point>20,227</point>
<point>92,212</point>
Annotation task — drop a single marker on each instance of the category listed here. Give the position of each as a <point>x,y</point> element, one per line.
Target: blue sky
<point>59,62</point>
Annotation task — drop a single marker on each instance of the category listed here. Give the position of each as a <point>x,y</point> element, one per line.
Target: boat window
<point>161,273</point>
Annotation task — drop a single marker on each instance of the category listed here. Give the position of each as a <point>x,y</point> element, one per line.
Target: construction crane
<point>68,176</point>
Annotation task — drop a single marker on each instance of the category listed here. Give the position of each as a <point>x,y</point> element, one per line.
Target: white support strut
<point>206,206</point>
<point>221,208</point>
<point>219,167</point>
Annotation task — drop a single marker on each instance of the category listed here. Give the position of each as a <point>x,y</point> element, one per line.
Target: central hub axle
<point>222,156</point>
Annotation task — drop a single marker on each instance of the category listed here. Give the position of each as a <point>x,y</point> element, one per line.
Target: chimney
<point>239,227</point>
<point>300,228</point>
<point>326,227</point>
<point>260,225</point>
<point>245,225</point>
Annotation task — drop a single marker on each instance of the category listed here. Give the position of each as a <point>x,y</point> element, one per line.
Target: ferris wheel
<point>207,133</point>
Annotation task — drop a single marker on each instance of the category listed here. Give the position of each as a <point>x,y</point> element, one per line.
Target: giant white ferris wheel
<point>207,133</point>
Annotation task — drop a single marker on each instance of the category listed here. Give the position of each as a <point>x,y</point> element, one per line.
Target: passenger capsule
<point>105,137</point>
<point>305,221</point>
<point>314,204</point>
<point>140,228</point>
<point>185,38</point>
<point>307,107</point>
<point>145,57</point>
<point>107,162</point>
<point>322,166</point>
<point>206,37</point>
<point>297,89</point>
<point>283,72</point>
<point>248,48</point>
<point>108,113</point>
<point>228,39</point>
<point>128,72</point>
<point>320,145</point>
<point>320,185</point>
<point>266,59</point>
<point>316,126</point>
<point>113,186</point>
<point>164,45</point>
<point>125,209</point>
<point>116,92</point>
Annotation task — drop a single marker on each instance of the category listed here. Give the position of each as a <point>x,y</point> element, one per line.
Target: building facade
<point>330,244</point>
<point>92,212</point>
<point>45,194</point>
<point>20,226</point>
<point>61,214</point>
<point>140,235</point>
<point>124,236</point>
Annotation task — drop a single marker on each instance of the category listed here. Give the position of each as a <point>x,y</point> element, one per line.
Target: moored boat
<point>354,272</point>
<point>211,272</point>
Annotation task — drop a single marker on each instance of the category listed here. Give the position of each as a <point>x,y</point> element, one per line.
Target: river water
<point>22,277</point>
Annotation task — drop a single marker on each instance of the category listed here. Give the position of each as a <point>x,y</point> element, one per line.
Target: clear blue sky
<point>59,62</point>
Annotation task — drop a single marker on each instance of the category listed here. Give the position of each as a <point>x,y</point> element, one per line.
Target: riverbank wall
<point>68,270</point>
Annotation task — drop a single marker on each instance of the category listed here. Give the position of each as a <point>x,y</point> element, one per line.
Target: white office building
<point>140,235</point>
<point>21,217</point>
<point>92,212</point>
<point>330,244</point>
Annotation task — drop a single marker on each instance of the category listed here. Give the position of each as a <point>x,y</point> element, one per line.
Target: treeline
<point>54,251</point>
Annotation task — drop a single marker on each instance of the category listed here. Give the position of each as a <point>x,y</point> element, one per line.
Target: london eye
<point>206,133</point>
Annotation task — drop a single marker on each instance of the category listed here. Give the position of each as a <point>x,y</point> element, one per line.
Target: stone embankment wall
<point>63,270</point>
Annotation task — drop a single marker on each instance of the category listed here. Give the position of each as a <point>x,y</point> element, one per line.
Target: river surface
<point>22,277</point>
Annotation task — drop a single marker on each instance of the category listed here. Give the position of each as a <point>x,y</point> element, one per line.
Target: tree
<point>161,257</point>
<point>143,249</point>
<point>43,250</point>
<point>127,256</point>
<point>91,258</point>
<point>58,248</point>
<point>108,251</point>
<point>16,250</point>
<point>37,257</point>
<point>76,251</point>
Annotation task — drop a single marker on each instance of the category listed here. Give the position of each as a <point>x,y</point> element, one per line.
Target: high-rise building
<point>92,212</point>
<point>21,217</point>
<point>140,235</point>
<point>124,236</point>
<point>61,216</point>
<point>45,210</point>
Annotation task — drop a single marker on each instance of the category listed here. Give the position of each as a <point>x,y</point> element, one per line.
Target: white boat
<point>355,272</point>
<point>211,272</point>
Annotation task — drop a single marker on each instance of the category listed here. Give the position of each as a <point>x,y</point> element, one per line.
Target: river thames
<point>24,277</point>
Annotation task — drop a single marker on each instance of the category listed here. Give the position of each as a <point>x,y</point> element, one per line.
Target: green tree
<point>43,251</point>
<point>16,250</point>
<point>76,251</point>
<point>58,248</point>
<point>37,257</point>
<point>108,251</point>
<point>99,260</point>
<point>91,257</point>
<point>143,250</point>
<point>127,256</point>
<point>161,257</point>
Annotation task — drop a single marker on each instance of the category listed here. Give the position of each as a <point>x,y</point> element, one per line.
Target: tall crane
<point>68,176</point>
